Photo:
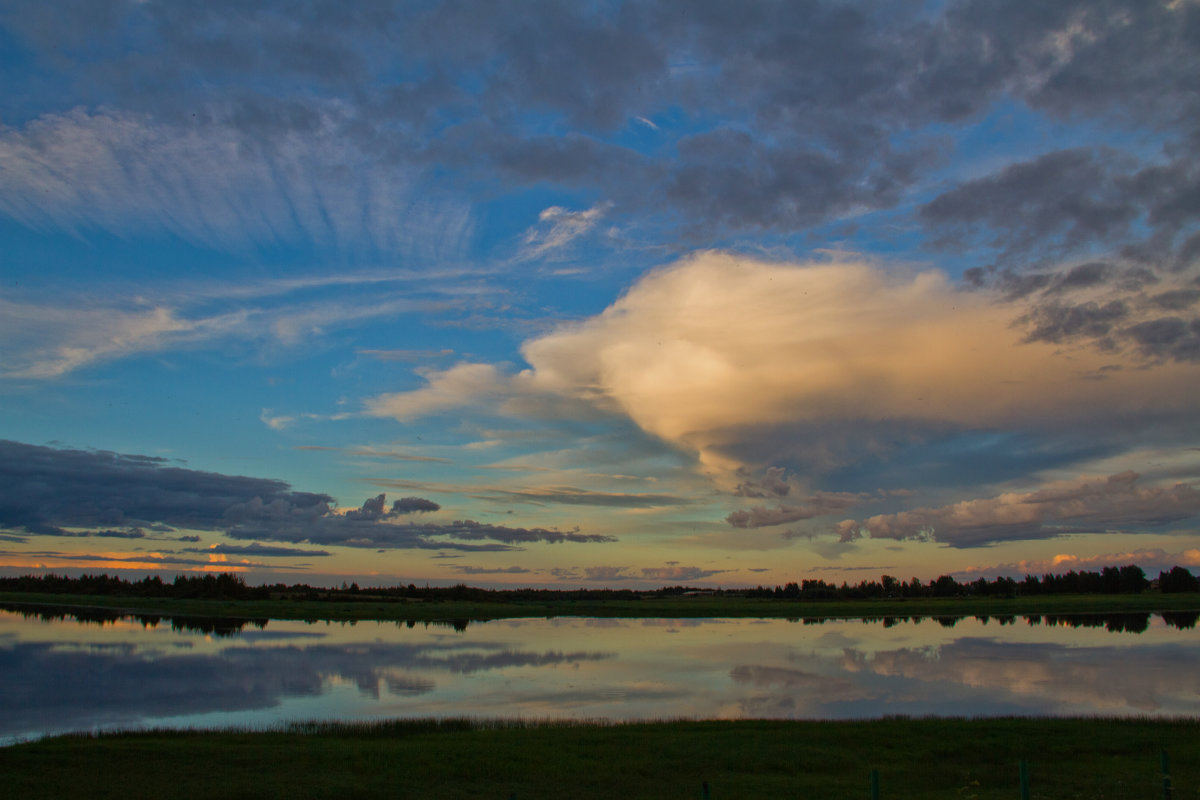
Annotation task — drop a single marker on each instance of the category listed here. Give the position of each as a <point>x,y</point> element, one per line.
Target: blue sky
<point>605,294</point>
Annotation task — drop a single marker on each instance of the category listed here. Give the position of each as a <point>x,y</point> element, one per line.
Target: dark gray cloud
<point>257,549</point>
<point>1070,202</point>
<point>128,533</point>
<point>1168,338</point>
<point>817,505</point>
<point>375,508</point>
<point>1090,505</point>
<point>133,561</point>
<point>362,528</point>
<point>772,484</point>
<point>1060,322</point>
<point>465,570</point>
<point>45,490</point>
<point>1058,201</point>
<point>1177,299</point>
<point>824,104</point>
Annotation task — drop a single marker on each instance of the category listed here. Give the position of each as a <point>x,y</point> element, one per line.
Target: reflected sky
<point>59,673</point>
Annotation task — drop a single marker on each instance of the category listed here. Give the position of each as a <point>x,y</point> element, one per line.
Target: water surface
<point>59,672</point>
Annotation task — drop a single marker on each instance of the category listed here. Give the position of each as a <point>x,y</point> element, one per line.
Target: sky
<point>599,294</point>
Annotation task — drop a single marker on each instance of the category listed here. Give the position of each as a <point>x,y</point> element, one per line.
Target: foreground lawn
<point>925,758</point>
<point>671,607</point>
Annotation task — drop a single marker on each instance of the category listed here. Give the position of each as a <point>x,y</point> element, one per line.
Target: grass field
<point>914,758</point>
<point>670,607</point>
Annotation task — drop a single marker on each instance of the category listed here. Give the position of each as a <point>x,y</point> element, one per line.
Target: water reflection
<point>63,670</point>
<point>215,626</point>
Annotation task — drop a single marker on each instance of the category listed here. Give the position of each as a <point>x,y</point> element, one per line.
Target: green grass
<point>673,607</point>
<point>915,758</point>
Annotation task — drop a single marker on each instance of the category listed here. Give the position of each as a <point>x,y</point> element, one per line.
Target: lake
<point>63,671</point>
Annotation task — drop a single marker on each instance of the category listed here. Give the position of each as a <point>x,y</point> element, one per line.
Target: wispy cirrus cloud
<point>557,227</point>
<point>208,184</point>
<point>52,337</point>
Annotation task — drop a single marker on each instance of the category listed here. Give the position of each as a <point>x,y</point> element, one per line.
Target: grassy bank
<point>671,607</point>
<point>926,758</point>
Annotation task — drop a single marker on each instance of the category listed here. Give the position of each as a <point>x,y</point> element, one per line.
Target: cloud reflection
<point>47,686</point>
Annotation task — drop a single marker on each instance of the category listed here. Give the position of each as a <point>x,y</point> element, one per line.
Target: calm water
<point>61,673</point>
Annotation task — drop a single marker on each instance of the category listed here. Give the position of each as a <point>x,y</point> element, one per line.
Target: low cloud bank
<point>45,491</point>
<point>1084,506</point>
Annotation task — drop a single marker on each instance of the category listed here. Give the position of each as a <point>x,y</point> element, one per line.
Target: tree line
<point>1129,579</point>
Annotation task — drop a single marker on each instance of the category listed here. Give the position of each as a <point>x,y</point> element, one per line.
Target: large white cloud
<point>717,348</point>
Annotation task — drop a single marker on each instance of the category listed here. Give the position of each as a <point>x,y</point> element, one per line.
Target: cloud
<point>372,452</point>
<point>679,573</point>
<point>773,484</point>
<point>375,508</point>
<point>835,349</point>
<point>1087,505</point>
<point>204,182</point>
<point>409,505</point>
<point>257,549</point>
<point>818,505</point>
<point>137,561</point>
<point>372,527</point>
<point>45,490</point>
<point>1057,201</point>
<point>1153,560</point>
<point>464,570</point>
<point>461,385</point>
<point>128,533</point>
<point>406,355</point>
<point>797,113</point>
<point>569,495</point>
<point>480,386</point>
<point>50,338</point>
<point>672,573</point>
<point>556,229</point>
<point>48,342</point>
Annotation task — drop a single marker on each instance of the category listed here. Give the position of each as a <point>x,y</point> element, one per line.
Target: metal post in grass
<point>704,793</point>
<point>874,784</point>
<point>1166,774</point>
<point>1024,768</point>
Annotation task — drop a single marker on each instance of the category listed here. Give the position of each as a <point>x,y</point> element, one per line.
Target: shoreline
<point>383,610</point>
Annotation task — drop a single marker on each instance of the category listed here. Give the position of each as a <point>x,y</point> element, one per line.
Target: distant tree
<point>1131,580</point>
<point>1178,579</point>
<point>946,586</point>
